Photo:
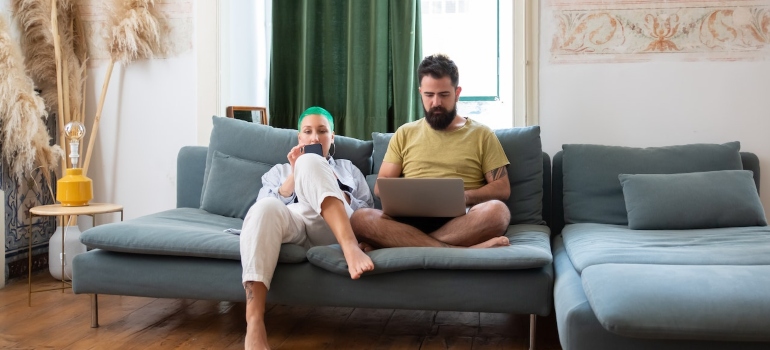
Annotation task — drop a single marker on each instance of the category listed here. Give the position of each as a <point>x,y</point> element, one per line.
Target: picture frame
<point>248,113</point>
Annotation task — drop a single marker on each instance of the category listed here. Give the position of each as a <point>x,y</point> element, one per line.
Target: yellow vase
<point>74,189</point>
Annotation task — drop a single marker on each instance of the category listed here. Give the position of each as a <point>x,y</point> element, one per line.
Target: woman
<point>308,202</point>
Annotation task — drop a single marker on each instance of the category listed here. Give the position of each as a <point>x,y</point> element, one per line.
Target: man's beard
<point>439,118</point>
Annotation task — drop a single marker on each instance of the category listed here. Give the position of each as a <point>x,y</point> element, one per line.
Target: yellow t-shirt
<point>468,152</point>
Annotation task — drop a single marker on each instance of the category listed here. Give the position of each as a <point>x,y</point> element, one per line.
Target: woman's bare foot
<point>358,262</point>
<point>501,241</point>
<point>256,336</point>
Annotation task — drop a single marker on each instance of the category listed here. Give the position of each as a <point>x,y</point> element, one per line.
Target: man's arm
<point>388,170</point>
<point>497,187</point>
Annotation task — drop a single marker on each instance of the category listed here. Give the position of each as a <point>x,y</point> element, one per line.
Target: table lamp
<point>74,189</point>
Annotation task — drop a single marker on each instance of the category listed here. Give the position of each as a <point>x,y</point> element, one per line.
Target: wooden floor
<point>59,320</point>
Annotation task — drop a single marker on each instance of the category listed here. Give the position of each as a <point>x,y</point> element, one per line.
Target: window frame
<point>522,85</point>
<point>525,62</point>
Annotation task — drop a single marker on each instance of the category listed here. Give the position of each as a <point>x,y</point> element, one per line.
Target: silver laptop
<point>422,197</point>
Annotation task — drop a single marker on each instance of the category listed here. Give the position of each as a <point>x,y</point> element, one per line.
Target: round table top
<point>91,208</point>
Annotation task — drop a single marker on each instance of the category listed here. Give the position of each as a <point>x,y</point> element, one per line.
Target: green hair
<point>316,110</point>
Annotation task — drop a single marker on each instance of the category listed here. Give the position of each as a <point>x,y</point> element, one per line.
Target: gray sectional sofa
<point>185,253</point>
<point>675,260</point>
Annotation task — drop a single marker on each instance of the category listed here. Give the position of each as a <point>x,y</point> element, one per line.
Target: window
<point>484,38</point>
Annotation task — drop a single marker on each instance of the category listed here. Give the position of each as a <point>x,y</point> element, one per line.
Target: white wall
<point>207,85</point>
<point>149,114</point>
<point>655,103</point>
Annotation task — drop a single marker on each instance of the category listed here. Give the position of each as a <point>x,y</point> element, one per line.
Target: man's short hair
<point>439,66</point>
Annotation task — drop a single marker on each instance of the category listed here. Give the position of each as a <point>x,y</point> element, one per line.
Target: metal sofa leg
<point>94,311</point>
<point>532,327</point>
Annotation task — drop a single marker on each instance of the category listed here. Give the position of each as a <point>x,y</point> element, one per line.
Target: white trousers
<point>269,222</point>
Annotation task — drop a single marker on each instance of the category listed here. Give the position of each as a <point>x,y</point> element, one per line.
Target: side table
<point>64,212</point>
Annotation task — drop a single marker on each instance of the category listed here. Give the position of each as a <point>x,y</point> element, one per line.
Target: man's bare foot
<point>365,247</point>
<point>358,262</point>
<point>501,241</point>
<point>256,336</point>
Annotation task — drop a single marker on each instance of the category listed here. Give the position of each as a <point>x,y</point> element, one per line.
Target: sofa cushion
<point>681,302</point>
<point>380,141</point>
<point>357,151</point>
<point>594,244</point>
<point>371,180</point>
<point>268,145</point>
<point>530,248</point>
<point>233,185</point>
<point>525,173</point>
<point>592,192</point>
<point>179,232</point>
<point>726,198</point>
<point>523,148</point>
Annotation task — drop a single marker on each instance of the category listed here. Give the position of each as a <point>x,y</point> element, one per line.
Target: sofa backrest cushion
<point>523,148</point>
<point>592,191</point>
<point>265,145</point>
<point>190,165</point>
<point>233,185</point>
<point>357,151</point>
<point>686,201</point>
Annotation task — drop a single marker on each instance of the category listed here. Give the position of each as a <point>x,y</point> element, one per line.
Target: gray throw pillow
<point>592,193</point>
<point>698,200</point>
<point>233,185</point>
<point>249,141</point>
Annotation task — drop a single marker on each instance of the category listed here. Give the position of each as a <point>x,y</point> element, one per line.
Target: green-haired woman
<point>307,201</point>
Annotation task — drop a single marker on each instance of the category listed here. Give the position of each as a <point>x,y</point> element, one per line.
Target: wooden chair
<point>250,114</point>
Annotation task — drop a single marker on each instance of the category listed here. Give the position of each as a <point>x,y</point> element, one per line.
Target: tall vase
<point>72,247</point>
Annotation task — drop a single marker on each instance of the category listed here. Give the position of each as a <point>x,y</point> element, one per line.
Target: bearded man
<point>440,145</point>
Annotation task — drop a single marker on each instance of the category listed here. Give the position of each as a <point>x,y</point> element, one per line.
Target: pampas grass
<point>135,32</point>
<point>25,140</point>
<point>34,19</point>
<point>37,44</point>
<point>55,57</point>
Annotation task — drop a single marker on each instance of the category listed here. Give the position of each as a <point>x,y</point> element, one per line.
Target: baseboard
<point>20,267</point>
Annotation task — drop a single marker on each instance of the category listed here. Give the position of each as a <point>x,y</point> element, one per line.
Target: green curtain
<point>356,58</point>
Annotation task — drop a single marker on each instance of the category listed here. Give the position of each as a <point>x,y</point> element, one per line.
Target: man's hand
<point>497,187</point>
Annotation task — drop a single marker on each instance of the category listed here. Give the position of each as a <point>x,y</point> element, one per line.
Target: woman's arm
<point>278,176</point>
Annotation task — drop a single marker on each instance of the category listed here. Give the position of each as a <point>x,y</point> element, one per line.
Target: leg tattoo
<point>249,292</point>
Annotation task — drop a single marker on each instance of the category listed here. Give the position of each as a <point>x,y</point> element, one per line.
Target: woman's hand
<point>287,187</point>
<point>294,153</point>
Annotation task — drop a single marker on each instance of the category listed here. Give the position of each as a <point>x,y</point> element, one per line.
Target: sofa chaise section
<point>623,288</point>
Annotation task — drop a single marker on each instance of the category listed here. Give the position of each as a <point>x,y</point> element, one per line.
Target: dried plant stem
<point>98,116</point>
<point>57,55</point>
<point>82,117</point>
<point>65,76</point>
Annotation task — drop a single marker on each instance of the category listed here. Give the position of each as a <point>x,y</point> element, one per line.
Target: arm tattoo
<point>249,292</point>
<point>498,173</point>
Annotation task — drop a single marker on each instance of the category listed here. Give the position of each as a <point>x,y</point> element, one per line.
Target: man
<point>443,144</point>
